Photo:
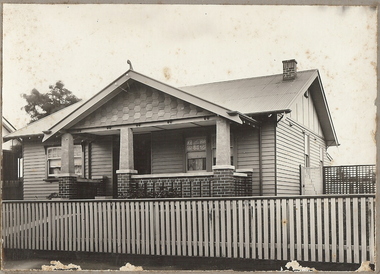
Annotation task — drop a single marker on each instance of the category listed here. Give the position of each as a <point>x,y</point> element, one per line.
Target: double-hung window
<point>196,154</point>
<point>54,162</point>
<point>307,150</point>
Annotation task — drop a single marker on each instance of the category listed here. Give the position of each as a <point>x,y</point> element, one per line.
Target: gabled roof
<point>255,95</point>
<point>233,100</point>
<point>268,94</point>
<point>36,128</point>
<point>7,125</point>
<point>69,116</point>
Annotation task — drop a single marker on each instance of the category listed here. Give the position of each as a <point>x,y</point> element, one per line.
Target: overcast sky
<point>87,47</point>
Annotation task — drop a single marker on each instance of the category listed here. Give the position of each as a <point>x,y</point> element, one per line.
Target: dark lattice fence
<point>357,179</point>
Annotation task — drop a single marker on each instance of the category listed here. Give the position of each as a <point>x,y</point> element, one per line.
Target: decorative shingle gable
<point>140,104</point>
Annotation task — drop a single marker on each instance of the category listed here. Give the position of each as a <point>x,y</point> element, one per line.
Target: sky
<point>87,47</point>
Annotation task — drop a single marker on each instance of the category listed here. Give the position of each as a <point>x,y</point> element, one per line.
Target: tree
<point>40,105</point>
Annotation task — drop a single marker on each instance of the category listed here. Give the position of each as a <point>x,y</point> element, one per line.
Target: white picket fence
<point>319,228</point>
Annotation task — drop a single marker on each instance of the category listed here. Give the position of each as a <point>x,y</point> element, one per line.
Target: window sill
<point>79,180</point>
<point>51,179</point>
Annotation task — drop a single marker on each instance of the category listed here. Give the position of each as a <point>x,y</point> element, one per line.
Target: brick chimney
<point>289,69</point>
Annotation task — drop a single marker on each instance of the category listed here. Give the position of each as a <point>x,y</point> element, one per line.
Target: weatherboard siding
<point>167,152</point>
<point>101,161</point>
<point>291,155</point>
<point>305,113</point>
<point>35,172</point>
<point>269,158</point>
<point>247,146</point>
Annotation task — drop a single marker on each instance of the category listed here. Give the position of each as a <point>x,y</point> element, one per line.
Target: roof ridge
<point>242,79</point>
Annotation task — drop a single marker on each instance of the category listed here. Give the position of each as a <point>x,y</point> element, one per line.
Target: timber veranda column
<point>67,178</point>
<point>223,181</point>
<point>126,164</point>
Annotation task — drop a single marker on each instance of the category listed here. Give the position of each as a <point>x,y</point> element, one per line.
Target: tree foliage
<point>40,105</point>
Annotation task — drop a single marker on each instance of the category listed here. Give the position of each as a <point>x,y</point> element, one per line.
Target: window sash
<point>307,144</point>
<point>196,154</point>
<point>213,148</point>
<point>54,163</point>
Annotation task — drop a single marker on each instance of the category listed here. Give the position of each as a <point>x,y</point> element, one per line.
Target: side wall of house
<point>268,136</point>
<point>248,155</point>
<point>247,152</point>
<point>291,131</point>
<point>305,113</point>
<point>290,155</point>
<point>35,172</point>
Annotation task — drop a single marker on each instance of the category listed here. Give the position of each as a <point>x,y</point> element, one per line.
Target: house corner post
<point>67,178</point>
<point>223,180</point>
<point>126,166</point>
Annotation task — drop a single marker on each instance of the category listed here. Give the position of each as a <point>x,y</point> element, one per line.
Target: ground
<point>28,260</point>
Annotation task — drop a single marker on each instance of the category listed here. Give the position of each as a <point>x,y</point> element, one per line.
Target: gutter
<point>286,110</point>
<point>8,138</point>
<point>245,118</point>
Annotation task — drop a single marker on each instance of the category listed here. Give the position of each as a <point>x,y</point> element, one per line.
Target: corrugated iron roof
<point>255,95</point>
<point>36,128</point>
<point>248,96</point>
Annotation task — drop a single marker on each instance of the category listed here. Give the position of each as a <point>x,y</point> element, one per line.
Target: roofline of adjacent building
<point>8,126</point>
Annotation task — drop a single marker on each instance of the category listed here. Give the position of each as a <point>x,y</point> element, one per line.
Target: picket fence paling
<point>325,228</point>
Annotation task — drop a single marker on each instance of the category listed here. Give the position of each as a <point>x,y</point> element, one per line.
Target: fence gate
<point>311,180</point>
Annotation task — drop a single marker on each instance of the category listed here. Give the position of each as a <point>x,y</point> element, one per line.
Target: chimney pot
<point>289,69</point>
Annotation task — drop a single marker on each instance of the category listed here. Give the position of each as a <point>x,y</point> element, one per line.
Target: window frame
<point>79,155</point>
<point>307,149</point>
<point>188,152</point>
<point>232,150</point>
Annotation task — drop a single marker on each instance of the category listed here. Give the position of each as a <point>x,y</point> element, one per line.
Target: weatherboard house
<point>139,137</point>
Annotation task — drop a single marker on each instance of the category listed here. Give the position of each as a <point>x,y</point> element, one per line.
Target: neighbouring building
<point>11,164</point>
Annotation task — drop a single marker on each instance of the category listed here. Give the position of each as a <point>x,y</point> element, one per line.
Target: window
<point>54,163</point>
<point>196,153</point>
<point>321,156</point>
<point>214,150</point>
<point>307,150</point>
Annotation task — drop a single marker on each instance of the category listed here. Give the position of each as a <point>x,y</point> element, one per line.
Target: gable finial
<point>130,64</point>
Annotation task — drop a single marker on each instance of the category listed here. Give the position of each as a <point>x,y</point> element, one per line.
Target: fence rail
<point>319,228</point>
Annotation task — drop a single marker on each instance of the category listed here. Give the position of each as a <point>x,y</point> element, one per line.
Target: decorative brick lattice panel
<point>171,187</point>
<point>140,105</point>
